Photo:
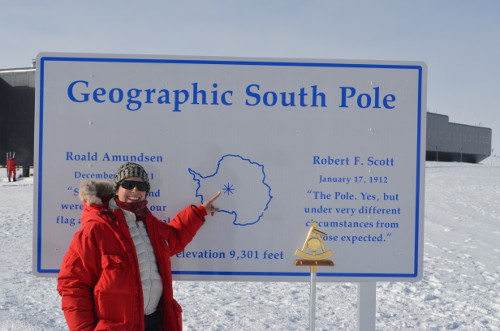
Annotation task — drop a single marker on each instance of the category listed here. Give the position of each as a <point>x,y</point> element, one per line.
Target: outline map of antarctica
<point>242,182</point>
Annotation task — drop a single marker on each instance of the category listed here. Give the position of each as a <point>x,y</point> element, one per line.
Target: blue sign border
<point>418,68</point>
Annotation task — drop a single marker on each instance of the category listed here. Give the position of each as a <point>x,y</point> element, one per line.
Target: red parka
<point>11,164</point>
<point>99,280</point>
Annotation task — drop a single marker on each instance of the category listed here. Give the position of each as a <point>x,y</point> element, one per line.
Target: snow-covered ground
<point>460,289</point>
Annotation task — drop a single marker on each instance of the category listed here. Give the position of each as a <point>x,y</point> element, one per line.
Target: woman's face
<point>133,194</point>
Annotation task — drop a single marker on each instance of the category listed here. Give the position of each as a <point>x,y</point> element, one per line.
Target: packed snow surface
<point>459,291</point>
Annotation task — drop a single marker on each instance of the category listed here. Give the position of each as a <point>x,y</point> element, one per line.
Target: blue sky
<point>458,40</point>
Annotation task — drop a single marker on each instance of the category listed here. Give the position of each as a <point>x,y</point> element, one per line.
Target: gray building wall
<point>456,142</point>
<point>24,77</point>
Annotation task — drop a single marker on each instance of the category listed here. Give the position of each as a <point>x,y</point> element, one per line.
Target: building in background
<point>454,142</point>
<point>448,142</point>
<point>17,115</point>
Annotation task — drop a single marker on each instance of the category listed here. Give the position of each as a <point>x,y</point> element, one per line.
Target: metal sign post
<point>367,303</point>
<point>312,301</point>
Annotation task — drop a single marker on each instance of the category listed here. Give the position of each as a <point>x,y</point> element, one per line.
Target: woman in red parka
<point>116,274</point>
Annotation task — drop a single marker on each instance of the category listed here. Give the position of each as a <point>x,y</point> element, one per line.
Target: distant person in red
<point>11,168</point>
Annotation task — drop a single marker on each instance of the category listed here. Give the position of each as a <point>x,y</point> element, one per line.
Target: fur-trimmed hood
<point>93,192</point>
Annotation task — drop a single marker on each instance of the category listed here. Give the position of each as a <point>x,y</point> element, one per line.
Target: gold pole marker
<point>313,252</point>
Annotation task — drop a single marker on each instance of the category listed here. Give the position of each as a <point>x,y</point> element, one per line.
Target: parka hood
<point>94,193</point>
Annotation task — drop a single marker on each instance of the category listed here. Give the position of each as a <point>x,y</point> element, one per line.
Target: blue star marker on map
<point>228,189</point>
<point>246,195</point>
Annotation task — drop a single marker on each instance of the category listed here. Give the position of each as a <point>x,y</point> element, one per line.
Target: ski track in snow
<point>459,291</point>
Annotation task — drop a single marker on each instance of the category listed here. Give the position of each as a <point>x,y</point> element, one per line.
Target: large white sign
<point>286,141</point>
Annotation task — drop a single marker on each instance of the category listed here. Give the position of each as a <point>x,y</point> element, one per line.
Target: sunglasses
<point>130,184</point>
